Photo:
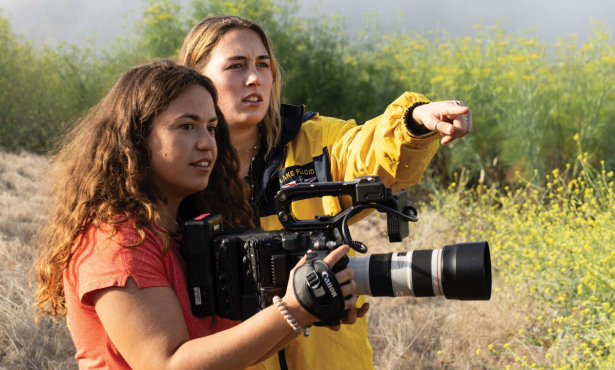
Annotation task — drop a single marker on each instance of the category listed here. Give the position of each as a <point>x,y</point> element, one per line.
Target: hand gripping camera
<point>234,274</point>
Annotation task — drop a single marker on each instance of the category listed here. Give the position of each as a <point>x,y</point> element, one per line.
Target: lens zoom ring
<point>421,274</point>
<point>380,275</point>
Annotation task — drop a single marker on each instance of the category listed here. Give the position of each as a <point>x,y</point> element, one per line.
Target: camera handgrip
<point>318,291</point>
<point>339,266</point>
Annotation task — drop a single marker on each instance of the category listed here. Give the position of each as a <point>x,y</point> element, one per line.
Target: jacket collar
<point>292,119</point>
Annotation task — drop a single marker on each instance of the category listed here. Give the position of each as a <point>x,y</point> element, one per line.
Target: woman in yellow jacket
<point>281,145</point>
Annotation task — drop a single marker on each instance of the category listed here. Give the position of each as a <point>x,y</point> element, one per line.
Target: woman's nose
<point>254,77</point>
<point>206,141</point>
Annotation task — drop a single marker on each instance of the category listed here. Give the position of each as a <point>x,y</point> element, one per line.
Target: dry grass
<point>23,343</point>
<point>405,333</point>
<point>408,333</point>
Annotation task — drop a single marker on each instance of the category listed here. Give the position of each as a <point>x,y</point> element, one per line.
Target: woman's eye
<point>212,129</point>
<point>236,66</point>
<point>187,126</point>
<point>263,65</point>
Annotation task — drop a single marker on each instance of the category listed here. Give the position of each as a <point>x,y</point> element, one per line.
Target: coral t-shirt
<point>99,262</point>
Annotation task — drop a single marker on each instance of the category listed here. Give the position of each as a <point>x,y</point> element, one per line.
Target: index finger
<point>363,310</point>
<point>336,255</point>
<point>455,110</point>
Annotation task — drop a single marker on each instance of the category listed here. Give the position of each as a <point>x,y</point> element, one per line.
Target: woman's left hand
<point>451,118</point>
<point>356,313</point>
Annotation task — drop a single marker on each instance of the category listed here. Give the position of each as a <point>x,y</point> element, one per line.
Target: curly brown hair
<point>100,172</point>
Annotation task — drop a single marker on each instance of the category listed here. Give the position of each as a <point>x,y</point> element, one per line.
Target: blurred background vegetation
<point>528,98</point>
<point>536,107</point>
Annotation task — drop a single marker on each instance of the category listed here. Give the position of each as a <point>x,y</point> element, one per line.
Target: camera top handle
<point>365,192</point>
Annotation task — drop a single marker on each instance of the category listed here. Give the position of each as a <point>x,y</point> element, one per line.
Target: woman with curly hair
<point>154,151</point>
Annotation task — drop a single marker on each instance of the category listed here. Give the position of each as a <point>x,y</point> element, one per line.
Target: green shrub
<point>527,98</point>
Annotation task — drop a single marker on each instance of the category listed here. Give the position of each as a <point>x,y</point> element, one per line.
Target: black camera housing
<point>234,274</point>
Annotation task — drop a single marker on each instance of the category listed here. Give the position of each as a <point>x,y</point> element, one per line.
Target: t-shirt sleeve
<point>102,262</point>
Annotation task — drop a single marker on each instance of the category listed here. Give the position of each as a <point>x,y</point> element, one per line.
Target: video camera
<point>234,274</point>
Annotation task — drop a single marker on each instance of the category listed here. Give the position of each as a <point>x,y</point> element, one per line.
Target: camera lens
<point>461,271</point>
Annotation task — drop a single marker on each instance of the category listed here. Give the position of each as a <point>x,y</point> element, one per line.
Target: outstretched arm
<point>396,146</point>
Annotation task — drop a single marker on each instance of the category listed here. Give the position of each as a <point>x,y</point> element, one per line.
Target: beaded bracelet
<point>289,318</point>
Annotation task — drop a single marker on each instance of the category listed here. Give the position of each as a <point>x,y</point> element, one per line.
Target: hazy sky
<point>77,20</point>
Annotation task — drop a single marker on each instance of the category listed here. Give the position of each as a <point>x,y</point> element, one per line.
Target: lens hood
<point>466,271</point>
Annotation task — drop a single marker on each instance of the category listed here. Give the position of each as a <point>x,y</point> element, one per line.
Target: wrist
<point>413,121</point>
<point>416,113</point>
<point>293,306</point>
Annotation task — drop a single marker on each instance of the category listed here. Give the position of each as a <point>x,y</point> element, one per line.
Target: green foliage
<point>162,30</point>
<point>528,98</point>
<point>24,75</point>
<point>552,245</point>
<point>44,91</point>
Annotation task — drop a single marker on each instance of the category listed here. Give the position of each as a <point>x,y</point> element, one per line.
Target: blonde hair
<point>203,38</point>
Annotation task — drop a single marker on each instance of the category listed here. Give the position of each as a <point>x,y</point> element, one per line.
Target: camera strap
<point>318,291</point>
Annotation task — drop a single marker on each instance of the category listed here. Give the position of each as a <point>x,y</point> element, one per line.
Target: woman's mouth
<point>253,100</point>
<point>202,165</point>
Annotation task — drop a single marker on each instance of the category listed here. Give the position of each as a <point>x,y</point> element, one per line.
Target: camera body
<point>234,274</point>
<point>245,270</point>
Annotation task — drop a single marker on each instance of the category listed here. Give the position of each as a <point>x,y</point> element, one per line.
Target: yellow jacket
<point>316,148</point>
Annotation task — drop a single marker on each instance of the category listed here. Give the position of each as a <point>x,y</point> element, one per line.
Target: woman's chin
<point>248,118</point>
<point>193,189</point>
<point>244,124</point>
